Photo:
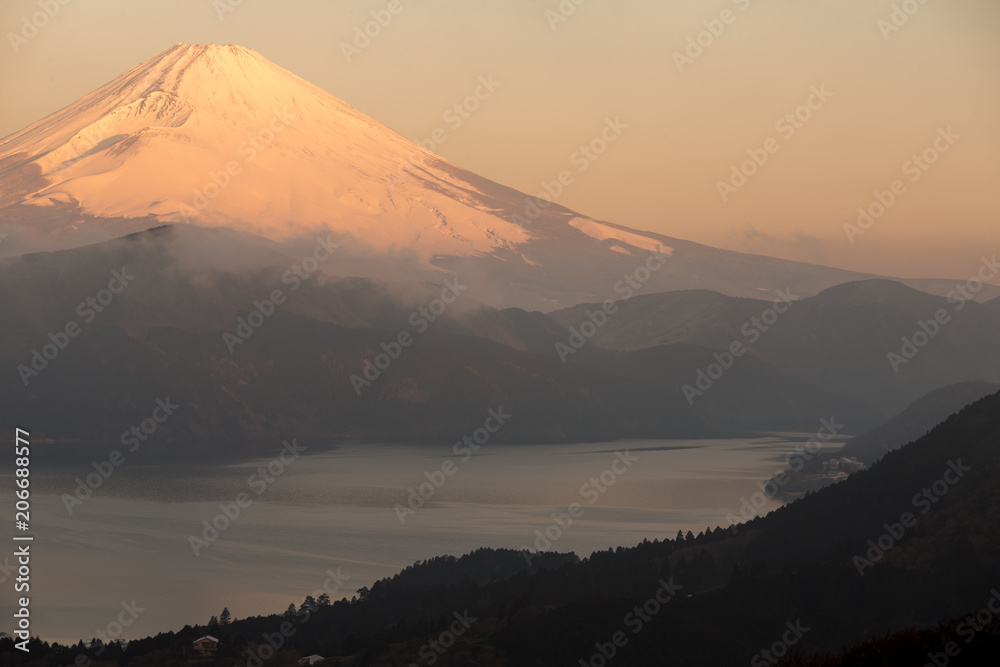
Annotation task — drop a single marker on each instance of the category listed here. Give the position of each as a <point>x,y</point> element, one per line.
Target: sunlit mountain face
<point>218,136</point>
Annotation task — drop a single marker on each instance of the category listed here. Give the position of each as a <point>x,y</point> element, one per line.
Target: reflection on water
<point>130,540</point>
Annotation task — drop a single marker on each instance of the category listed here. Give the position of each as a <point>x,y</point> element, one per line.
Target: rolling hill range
<point>171,330</point>
<point>164,334</point>
<point>840,339</point>
<point>293,379</point>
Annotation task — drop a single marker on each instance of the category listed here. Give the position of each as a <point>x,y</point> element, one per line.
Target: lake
<point>131,540</point>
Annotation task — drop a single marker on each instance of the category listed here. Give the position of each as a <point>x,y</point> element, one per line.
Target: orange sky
<point>892,91</point>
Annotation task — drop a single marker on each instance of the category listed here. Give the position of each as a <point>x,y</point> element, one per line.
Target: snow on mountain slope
<point>603,232</point>
<point>218,135</point>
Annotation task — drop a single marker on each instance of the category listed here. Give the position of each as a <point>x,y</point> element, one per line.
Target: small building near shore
<point>207,645</point>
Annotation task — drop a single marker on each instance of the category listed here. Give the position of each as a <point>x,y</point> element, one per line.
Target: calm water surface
<point>130,540</point>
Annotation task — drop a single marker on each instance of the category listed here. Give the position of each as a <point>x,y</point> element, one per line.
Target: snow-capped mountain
<point>219,136</point>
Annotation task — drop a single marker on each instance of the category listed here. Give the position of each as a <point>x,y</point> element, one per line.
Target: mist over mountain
<point>183,314</point>
<point>180,327</point>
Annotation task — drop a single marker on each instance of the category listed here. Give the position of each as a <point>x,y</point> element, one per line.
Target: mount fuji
<point>218,136</point>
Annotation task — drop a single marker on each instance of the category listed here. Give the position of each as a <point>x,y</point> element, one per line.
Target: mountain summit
<point>220,136</point>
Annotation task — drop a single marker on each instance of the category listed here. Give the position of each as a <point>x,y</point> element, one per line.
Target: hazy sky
<point>892,91</point>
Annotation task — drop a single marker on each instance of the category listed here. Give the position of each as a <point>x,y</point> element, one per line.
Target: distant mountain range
<point>170,331</point>
<point>839,340</point>
<point>164,335</point>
